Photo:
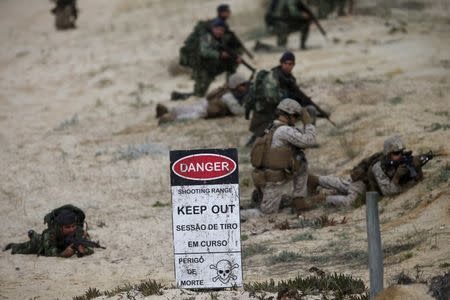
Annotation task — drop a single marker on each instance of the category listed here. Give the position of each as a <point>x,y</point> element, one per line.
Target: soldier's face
<point>242,88</point>
<point>224,15</point>
<point>396,156</point>
<point>287,66</point>
<point>68,229</point>
<point>218,32</point>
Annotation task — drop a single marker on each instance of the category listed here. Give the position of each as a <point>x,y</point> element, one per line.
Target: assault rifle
<point>239,43</point>
<point>304,100</point>
<point>407,161</point>
<point>294,20</point>
<point>82,242</point>
<point>234,56</point>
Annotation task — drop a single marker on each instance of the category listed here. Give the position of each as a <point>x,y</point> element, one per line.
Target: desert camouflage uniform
<point>384,182</point>
<point>298,138</point>
<point>277,87</point>
<point>348,190</point>
<point>49,243</point>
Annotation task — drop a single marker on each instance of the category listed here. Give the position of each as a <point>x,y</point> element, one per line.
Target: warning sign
<point>206,224</point>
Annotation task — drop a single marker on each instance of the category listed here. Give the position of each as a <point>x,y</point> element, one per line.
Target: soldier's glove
<point>305,117</point>
<point>402,171</point>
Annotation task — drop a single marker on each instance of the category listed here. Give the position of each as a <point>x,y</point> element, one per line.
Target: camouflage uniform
<point>209,63</point>
<point>219,103</point>
<point>374,173</point>
<point>348,190</point>
<point>277,87</point>
<point>299,139</point>
<point>293,13</point>
<point>66,13</point>
<point>390,178</point>
<point>49,243</point>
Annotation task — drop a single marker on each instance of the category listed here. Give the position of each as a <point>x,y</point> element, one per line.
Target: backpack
<point>361,170</point>
<point>256,99</point>
<point>49,218</point>
<point>188,52</point>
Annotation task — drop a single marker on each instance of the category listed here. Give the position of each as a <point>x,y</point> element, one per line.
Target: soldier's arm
<point>301,139</point>
<point>292,6</point>
<point>49,244</point>
<point>387,186</point>
<point>206,49</point>
<point>232,104</point>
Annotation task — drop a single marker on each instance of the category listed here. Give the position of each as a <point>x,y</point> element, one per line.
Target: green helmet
<point>393,144</point>
<point>289,106</point>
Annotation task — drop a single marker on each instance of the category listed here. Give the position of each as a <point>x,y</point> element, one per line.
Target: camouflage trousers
<point>33,246</point>
<point>347,190</point>
<point>273,191</point>
<point>282,30</point>
<point>203,77</point>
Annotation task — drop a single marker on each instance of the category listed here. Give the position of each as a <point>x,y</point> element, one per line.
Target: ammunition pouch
<point>262,177</point>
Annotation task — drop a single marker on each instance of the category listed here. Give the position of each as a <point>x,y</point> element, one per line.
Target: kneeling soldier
<point>278,157</point>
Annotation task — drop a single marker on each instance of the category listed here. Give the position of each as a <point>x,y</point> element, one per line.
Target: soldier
<point>223,102</point>
<point>267,92</point>
<point>287,16</point>
<point>66,13</point>
<point>278,157</point>
<point>226,57</point>
<point>384,172</point>
<point>65,225</point>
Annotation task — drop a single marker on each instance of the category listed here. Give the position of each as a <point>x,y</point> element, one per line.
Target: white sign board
<point>206,224</point>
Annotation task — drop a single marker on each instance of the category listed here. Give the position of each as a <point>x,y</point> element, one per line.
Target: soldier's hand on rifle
<point>238,60</point>
<point>224,55</point>
<point>402,171</point>
<point>68,252</point>
<point>81,249</point>
<point>305,117</point>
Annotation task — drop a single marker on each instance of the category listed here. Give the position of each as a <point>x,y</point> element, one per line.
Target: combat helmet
<point>289,106</point>
<point>236,80</point>
<point>393,144</point>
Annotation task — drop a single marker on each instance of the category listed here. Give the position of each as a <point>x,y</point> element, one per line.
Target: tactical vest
<point>361,170</point>
<point>272,164</point>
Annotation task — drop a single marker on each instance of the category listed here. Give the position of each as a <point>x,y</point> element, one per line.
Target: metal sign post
<point>206,223</point>
<point>374,240</point>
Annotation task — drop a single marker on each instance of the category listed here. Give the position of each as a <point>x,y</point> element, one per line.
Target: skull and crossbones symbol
<point>223,269</point>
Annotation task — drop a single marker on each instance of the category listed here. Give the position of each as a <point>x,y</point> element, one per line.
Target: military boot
<point>312,184</point>
<point>167,118</point>
<point>161,110</point>
<point>175,96</point>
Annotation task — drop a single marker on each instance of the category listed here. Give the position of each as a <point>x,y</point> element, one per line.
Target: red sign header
<point>204,166</point>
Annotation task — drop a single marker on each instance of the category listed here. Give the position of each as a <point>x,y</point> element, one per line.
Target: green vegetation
<point>343,286</point>
<point>160,204</point>
<point>254,249</point>
<point>285,256</point>
<point>302,237</point>
<point>396,100</point>
<point>146,288</point>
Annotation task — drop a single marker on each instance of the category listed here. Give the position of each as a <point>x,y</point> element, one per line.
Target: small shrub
<point>160,204</point>
<point>396,100</point>
<point>302,237</point>
<point>254,249</point>
<point>285,256</point>
<point>67,123</point>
